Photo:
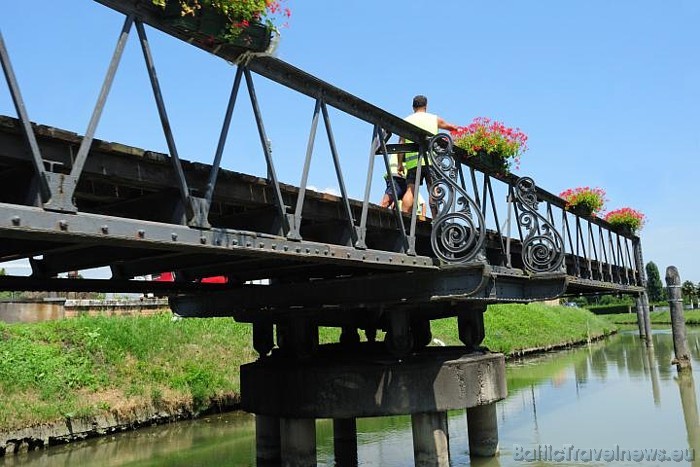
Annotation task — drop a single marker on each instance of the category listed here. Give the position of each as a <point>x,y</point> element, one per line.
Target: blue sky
<point>607,91</point>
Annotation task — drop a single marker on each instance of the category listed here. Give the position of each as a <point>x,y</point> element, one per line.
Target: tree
<point>688,291</point>
<point>655,288</point>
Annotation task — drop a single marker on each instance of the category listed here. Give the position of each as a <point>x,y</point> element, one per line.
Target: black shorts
<point>425,174</point>
<point>399,183</point>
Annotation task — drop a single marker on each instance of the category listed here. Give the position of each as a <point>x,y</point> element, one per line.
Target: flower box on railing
<point>211,26</point>
<point>584,201</point>
<point>626,221</point>
<point>494,146</point>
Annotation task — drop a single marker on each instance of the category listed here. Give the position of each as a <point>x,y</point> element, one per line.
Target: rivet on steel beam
<point>261,244</point>
<point>141,233</point>
<point>173,236</point>
<point>316,250</point>
<point>63,224</point>
<point>297,249</point>
<point>325,252</point>
<point>235,242</point>
<point>349,255</point>
<point>203,240</point>
<point>248,244</point>
<point>15,220</point>
<point>308,250</point>
<point>274,246</point>
<point>105,229</point>
<point>286,248</point>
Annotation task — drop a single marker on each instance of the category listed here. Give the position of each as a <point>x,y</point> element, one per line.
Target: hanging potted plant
<point>627,220</point>
<point>584,201</point>
<point>249,24</point>
<point>497,146</point>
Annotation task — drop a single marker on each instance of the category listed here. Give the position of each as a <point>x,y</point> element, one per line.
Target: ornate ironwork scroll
<point>459,228</point>
<point>543,246</point>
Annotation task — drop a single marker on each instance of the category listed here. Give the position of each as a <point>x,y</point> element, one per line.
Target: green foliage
<point>655,288</point>
<point>688,291</point>
<point>609,309</point>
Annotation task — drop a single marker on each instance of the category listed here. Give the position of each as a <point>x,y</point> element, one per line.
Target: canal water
<point>612,402</point>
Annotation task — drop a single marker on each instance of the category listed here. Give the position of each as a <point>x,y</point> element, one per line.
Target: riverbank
<point>692,317</point>
<point>69,379</point>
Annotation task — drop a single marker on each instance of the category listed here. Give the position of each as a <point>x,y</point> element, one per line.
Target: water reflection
<point>608,394</point>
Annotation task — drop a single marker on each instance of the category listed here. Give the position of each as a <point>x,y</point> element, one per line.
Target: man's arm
<point>400,157</point>
<point>446,126</point>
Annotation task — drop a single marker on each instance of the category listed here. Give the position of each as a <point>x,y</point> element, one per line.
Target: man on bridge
<point>430,123</point>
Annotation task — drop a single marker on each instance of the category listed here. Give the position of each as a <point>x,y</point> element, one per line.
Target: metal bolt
<point>203,240</point>
<point>63,224</point>
<point>308,250</point>
<point>248,244</point>
<point>261,245</point>
<point>15,220</point>
<point>286,248</point>
<point>105,229</point>
<point>173,236</point>
<point>274,246</point>
<point>141,233</point>
<point>235,242</point>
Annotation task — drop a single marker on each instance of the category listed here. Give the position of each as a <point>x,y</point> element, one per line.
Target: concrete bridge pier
<point>369,382</point>
<point>345,442</point>
<point>267,440</point>
<point>482,428</point>
<point>298,442</point>
<point>431,439</point>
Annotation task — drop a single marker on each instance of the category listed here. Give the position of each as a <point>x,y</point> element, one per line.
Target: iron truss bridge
<point>70,202</point>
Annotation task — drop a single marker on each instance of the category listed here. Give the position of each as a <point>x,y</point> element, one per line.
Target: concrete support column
<point>298,442</point>
<point>267,440</point>
<point>431,446</point>
<point>482,425</point>
<point>345,442</point>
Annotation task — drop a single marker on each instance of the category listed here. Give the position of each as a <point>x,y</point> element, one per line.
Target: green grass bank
<point>692,317</point>
<point>117,366</point>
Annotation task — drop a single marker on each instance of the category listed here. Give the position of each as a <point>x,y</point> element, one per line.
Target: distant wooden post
<point>647,319</point>
<point>640,317</point>
<point>675,302</point>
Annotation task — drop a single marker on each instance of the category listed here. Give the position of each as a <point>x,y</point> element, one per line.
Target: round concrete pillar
<point>267,440</point>
<point>482,426</point>
<point>431,446</point>
<point>298,442</point>
<point>345,442</point>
